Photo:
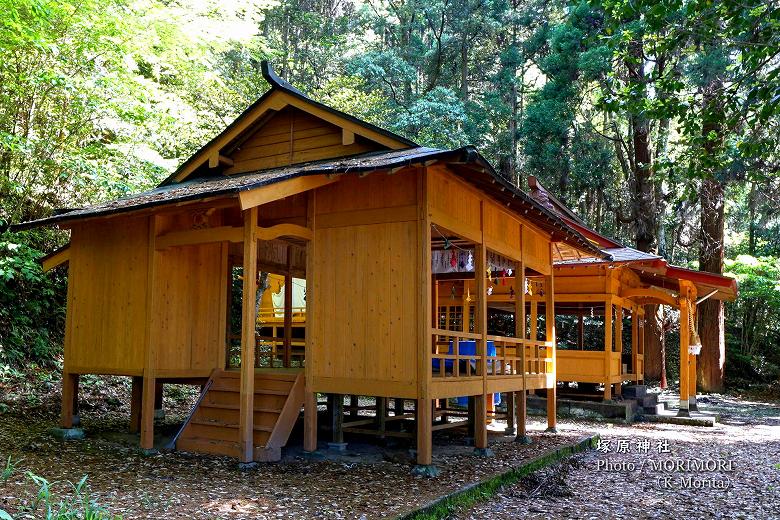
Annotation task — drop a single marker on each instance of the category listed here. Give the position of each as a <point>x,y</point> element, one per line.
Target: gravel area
<point>729,471</point>
<point>369,481</point>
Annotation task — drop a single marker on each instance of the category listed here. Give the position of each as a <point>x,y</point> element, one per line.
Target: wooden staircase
<point>213,426</point>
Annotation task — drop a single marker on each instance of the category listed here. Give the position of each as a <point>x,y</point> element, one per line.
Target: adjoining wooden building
<point>163,285</point>
<point>615,290</point>
<point>606,294</point>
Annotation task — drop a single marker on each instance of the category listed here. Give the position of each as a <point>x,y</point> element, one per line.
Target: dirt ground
<point>729,471</point>
<point>369,481</point>
<point>373,480</point>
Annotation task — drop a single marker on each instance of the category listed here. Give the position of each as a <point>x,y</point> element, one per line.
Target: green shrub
<point>77,505</point>
<point>32,307</point>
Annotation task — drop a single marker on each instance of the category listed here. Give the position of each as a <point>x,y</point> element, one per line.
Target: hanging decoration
<point>490,290</point>
<point>452,292</point>
<point>694,342</point>
<point>511,293</point>
<point>453,260</point>
<point>468,294</point>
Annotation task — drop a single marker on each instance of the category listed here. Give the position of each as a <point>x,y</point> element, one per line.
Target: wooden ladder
<point>213,426</point>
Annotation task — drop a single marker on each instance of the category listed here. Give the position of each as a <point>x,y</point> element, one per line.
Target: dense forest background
<point>657,121</point>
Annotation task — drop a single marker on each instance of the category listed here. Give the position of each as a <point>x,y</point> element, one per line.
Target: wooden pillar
<point>692,405</point>
<point>534,334</point>
<point>354,405</point>
<point>70,383</point>
<point>150,351</point>
<point>480,270</point>
<point>248,327</point>
<point>509,398</point>
<point>424,324</point>
<point>424,432</point>
<point>471,414</point>
<point>310,397</point>
<point>480,422</point>
<point>641,341</point>
<point>381,416</point>
<point>607,347</point>
<point>684,357</point>
<point>337,418</point>
<point>549,307</point>
<point>619,344</point>
<point>158,396</point>
<point>288,294</point>
<point>135,404</point>
<point>635,344</point>
<point>310,421</point>
<point>520,332</point>
<point>147,411</point>
<point>398,406</point>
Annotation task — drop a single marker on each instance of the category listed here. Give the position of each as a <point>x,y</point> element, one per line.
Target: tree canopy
<point>656,120</point>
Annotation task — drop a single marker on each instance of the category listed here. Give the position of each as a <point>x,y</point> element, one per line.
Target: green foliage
<point>75,506</point>
<point>8,470</point>
<point>754,319</point>
<point>99,98</point>
<point>31,306</point>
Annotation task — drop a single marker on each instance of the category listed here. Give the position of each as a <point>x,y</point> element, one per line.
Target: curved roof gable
<point>312,131</point>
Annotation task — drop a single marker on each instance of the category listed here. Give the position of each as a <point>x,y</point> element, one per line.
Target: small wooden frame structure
<point>296,188</point>
<point>618,288</point>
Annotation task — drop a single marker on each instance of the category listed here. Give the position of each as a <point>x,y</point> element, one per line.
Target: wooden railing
<point>508,359</point>
<point>269,315</point>
<point>513,356</point>
<point>538,357</point>
<point>449,360</point>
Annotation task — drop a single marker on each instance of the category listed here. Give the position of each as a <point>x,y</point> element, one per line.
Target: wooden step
<point>213,426</point>
<point>231,416</point>
<point>237,407</point>
<point>258,391</point>
<point>218,424</point>
<point>210,446</point>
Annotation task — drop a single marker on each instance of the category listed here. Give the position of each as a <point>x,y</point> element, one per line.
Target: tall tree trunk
<point>655,344</point>
<point>711,362</point>
<point>645,214</point>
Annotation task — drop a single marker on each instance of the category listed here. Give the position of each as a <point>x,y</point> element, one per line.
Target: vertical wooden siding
<point>107,307</point>
<point>456,206</point>
<point>187,325</point>
<point>366,286</point>
<point>294,136</point>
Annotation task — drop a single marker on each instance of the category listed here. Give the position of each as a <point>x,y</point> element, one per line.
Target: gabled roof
<point>277,97</point>
<point>465,162</point>
<point>618,255</point>
<point>209,187</point>
<point>200,177</point>
<point>652,269</point>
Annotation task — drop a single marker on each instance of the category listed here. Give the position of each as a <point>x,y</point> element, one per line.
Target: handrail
<point>456,333</point>
<point>505,339</point>
<point>172,443</point>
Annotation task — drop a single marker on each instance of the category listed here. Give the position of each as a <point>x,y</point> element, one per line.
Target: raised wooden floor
<point>213,427</point>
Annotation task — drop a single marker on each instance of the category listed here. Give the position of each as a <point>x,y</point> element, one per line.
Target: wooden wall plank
<point>108,295</point>
<point>367,285</point>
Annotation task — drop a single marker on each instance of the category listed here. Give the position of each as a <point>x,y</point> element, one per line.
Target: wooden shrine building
<point>163,285</point>
<point>615,291</point>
